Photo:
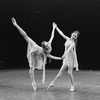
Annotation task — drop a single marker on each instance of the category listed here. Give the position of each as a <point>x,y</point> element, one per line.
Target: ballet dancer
<point>69,57</point>
<point>37,55</point>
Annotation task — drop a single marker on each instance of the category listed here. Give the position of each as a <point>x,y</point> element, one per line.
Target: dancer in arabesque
<point>37,55</point>
<point>69,57</point>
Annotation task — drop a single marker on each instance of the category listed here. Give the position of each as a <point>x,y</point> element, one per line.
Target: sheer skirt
<point>70,60</point>
<point>36,60</point>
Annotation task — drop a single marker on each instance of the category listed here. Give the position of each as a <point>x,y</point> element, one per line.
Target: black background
<point>36,17</point>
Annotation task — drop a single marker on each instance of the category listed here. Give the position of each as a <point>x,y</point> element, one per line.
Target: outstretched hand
<point>54,25</point>
<point>14,21</point>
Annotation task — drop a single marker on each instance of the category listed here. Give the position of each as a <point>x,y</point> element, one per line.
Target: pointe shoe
<point>51,85</point>
<point>77,69</point>
<point>34,86</point>
<point>72,88</point>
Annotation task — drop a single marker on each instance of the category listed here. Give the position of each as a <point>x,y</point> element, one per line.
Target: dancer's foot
<point>77,69</point>
<point>72,88</point>
<point>34,86</point>
<point>51,85</point>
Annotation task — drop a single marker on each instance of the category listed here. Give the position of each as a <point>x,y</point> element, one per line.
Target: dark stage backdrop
<point>36,17</point>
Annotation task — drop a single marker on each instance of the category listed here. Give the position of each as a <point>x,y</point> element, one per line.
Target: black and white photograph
<point>49,50</point>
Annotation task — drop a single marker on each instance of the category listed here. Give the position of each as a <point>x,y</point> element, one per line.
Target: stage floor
<point>16,85</point>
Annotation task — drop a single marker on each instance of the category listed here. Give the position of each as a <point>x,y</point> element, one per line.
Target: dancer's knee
<point>70,71</point>
<point>31,70</point>
<point>62,70</point>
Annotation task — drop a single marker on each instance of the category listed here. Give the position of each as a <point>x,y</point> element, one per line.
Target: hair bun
<point>46,46</point>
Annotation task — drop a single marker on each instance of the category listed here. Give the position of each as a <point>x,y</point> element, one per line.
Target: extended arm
<point>54,57</point>
<point>52,34</point>
<point>23,33</point>
<point>62,34</point>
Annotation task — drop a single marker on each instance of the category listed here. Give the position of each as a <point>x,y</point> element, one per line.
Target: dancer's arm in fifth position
<point>52,34</point>
<point>61,33</point>
<point>50,41</point>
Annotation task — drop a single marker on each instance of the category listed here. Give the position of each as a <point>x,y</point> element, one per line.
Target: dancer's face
<point>74,35</point>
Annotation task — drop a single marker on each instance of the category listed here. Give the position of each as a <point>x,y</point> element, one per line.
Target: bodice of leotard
<point>67,44</point>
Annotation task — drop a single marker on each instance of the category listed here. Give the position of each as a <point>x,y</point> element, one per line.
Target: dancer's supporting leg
<point>57,76</point>
<point>43,77</point>
<point>31,72</point>
<point>70,70</point>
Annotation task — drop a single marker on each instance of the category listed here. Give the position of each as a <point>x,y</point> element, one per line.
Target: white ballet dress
<point>35,55</point>
<point>71,59</point>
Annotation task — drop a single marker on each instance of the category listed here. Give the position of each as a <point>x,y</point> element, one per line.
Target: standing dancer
<point>37,55</point>
<point>69,57</point>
